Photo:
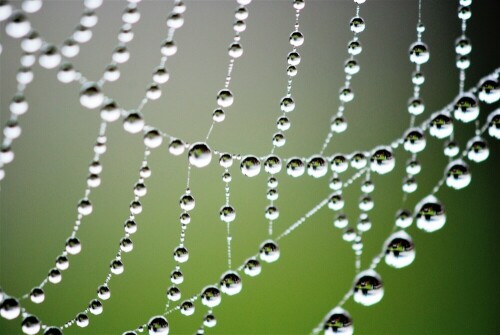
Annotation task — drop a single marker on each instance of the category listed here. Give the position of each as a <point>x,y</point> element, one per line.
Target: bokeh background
<point>450,288</point>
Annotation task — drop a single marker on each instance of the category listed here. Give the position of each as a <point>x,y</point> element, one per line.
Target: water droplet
<point>463,62</point>
<point>340,221</point>
<point>18,25</point>
<point>225,98</point>
<point>463,46</point>
<point>354,47</point>
<point>211,296</point>
<point>404,218</point>
<point>176,277</point>
<point>131,15</point>
<point>431,215</point>
<point>252,267</point>
<point>239,26</point>
<point>336,202</point>
<point>272,213</point>
<point>103,292</point>
<point>18,105</point>
<point>317,166</point>
<point>339,163</point>
<point>357,24</point>
<point>226,160</point>
<point>52,331</point>
<point>187,308</point>
<point>364,224</point>
<point>235,50</point>
<point>135,207</point>
<point>130,227</point>
<point>32,42</point>
<point>441,125</point>
<point>414,141</point>
<point>230,283</point>
<point>176,147</point>
<point>209,320</point>
<point>187,202</point>
<point>111,73</point>
<point>227,214</point>
<point>12,130</point>
<point>84,207</point>
<point>338,321</point>
<point>82,320</point>
<point>5,10</point>
<point>400,251</point>
<point>10,308</point>
<point>489,91</point>
<point>95,307</point>
<point>287,104</point>
<point>218,115</point>
<point>37,295</point>
<point>116,267</point>
<point>409,185</point>
<point>73,246</point>
<point>296,39</point>
<point>283,123</point>
<point>49,57</point>
<point>349,234</point>
<point>368,288</point>
<point>464,12</point>
<point>451,149</point>
<point>367,186</point>
<point>62,263</point>
<point>140,189</point>
<point>153,92</point>
<point>335,184</point>
<point>158,325</point>
<point>351,67</point>
<point>250,166</point>
<point>293,58</point>
<point>346,94</point>
<point>477,149</point>
<point>466,108</point>
<point>31,325</point>
<point>272,182</point>
<point>173,293</point>
<point>279,140</point>
<point>419,53</point>
<point>418,78</point>
<point>91,96</point>
<point>181,254</point>
<point>416,106</point>
<point>366,203</point>
<point>358,161</point>
<point>494,124</point>
<point>126,244</point>
<point>272,164</point>
<point>200,154</point>
<point>133,123</point>
<point>272,194</point>
<point>338,125</point>
<point>241,13</point>
<point>382,160</point>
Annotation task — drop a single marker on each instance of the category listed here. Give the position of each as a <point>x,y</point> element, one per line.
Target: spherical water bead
<point>200,154</point>
<point>126,34</point>
<point>145,172</point>
<point>489,91</point>
<point>187,202</point>
<point>52,331</point>
<point>111,73</point>
<point>24,75</point>
<point>367,186</point>
<point>338,321</point>
<point>359,1</point>
<point>5,10</point>
<point>409,185</point>
<point>287,104</point>
<point>70,48</point>
<point>175,20</point>
<point>218,115</point>
<point>431,215</point>
<point>225,98</point>
<point>354,47</point>
<point>82,320</point>
<point>18,105</point>
<point>351,67</point>
<point>18,25</point>
<point>230,283</point>
<point>6,155</point>
<point>272,164</point>
<point>463,62</point>
<point>494,124</point>
<point>173,293</point>
<point>441,125</point>
<point>364,223</point>
<point>296,39</point>
<point>293,58</point>
<point>419,53</point>
<point>82,34</point>
<point>252,267</point>
<point>95,307</point>
<point>239,26</point>
<point>158,325</point>
<point>121,54</point>
<point>340,221</point>
<point>89,19</point>
<point>227,214</point>
<point>176,147</point>
<point>357,24</point>
<point>116,267</point>
<point>463,46</point>
<point>10,308</point>
<point>413,167</point>
<point>349,234</point>
<point>161,75</point>
<point>32,42</point>
<point>336,202</point>
<point>110,111</point>
<point>477,149</point>
<point>153,139</point>
<point>399,250</point>
<point>466,108</point>
<point>346,94</point>
<point>358,161</point>
<point>317,166</point>
<point>133,123</point>
<point>211,296</point>
<point>368,288</point>
<point>235,50</point>
<point>417,78</point>
<point>335,184</point>
<point>250,166</point>
<point>12,130</point>
<point>187,308</point>
<point>135,207</point>
<point>226,160</point>
<point>458,175</point>
<point>272,194</point>
<point>465,2</point>
<point>414,141</point>
<point>272,213</point>
<point>103,292</point>
<point>272,182</point>
<point>62,263</point>
<point>244,2</point>
<point>153,92</point>
<point>66,73</point>
<point>126,244</point>
<point>130,227</point>
<point>93,4</point>
<point>84,207</point>
<point>338,125</point>
<point>404,218</point>
<point>241,13</point>
<point>185,218</point>
<point>416,106</point>
<point>464,12</point>
<point>31,325</point>
<point>131,15</point>
<point>91,95</point>
<point>279,140</point>
<point>73,246</point>
<point>209,320</point>
<point>181,254</point>
<point>451,149</point>
<point>27,59</point>
<point>339,163</point>
<point>176,277</point>
<point>382,160</point>
<point>366,203</point>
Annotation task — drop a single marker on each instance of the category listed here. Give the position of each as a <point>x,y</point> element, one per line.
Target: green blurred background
<point>449,289</point>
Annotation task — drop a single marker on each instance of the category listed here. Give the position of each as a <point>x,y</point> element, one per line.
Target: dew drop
<point>431,215</point>
<point>317,166</point>
<point>357,24</point>
<point>250,166</point>
<point>338,321</point>
<point>230,283</point>
<point>404,218</point>
<point>181,254</point>
<point>340,221</point>
<point>62,263</point>
<point>176,147</point>
<point>91,96</point>
<point>173,293</point>
<point>464,12</point>
<point>31,325</point>
<point>133,123</point>
<point>252,267</point>
<point>368,288</point>
<point>409,185</point>
<point>82,320</point>
<point>346,94</point>
<point>73,246</point>
<point>111,73</point>
<point>225,98</point>
<point>272,164</point>
<point>414,140</point>
<point>84,207</point>
<point>458,175</point>
<point>287,104</point>
<point>52,331</point>
<point>116,267</point>
<point>339,163</point>
<point>18,25</point>
<point>354,47</point>
<point>103,292</point>
<point>399,250</point>
<point>358,161</point>
<point>382,160</point>
<point>121,54</point>
<point>351,67</point>
<point>336,202</point>
<point>451,149</point>
<point>158,325</point>
<point>296,39</point>
<point>463,46</point>
<point>200,154</point>
<point>416,106</point>
<point>49,57</point>
<point>211,296</point>
<point>37,295</point>
<point>494,124</point>
<point>187,202</point>
<point>466,108</point>
<point>176,277</point>
<point>126,244</point>
<point>441,125</point>
<point>338,125</point>
<point>419,53</point>
<point>227,214</point>
<point>489,91</point>
<point>187,308</point>
<point>10,308</point>
<point>209,320</point>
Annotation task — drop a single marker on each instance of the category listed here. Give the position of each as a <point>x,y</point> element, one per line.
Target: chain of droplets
<point>351,67</point>
<point>18,26</point>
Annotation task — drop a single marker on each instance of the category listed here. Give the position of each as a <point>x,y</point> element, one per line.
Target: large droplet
<point>227,214</point>
<point>225,98</point>
<point>431,215</point>
<point>230,283</point>
<point>339,163</point>
<point>31,325</point>
<point>211,296</point>
<point>133,123</point>
<point>457,174</point>
<point>404,218</point>
<point>18,25</point>
<point>358,160</point>
<point>158,325</point>
<point>37,295</point>
<point>336,202</point>
<point>200,154</point>
<point>338,321</point>
<point>187,308</point>
<point>368,288</point>
<point>10,308</point>
<point>269,251</point>
<point>187,202</point>
<point>489,91</point>
<point>252,267</point>
<point>250,166</point>
<point>419,53</point>
<point>357,24</point>
<point>414,141</point>
<point>296,39</point>
<point>317,166</point>
<point>295,167</point>
<point>181,254</point>
<point>73,246</point>
<point>52,331</point>
<point>400,251</point>
<point>441,125</point>
<point>494,124</point>
<point>272,164</point>
<point>466,108</point>
<point>477,149</point>
<point>91,95</point>
<point>382,160</point>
